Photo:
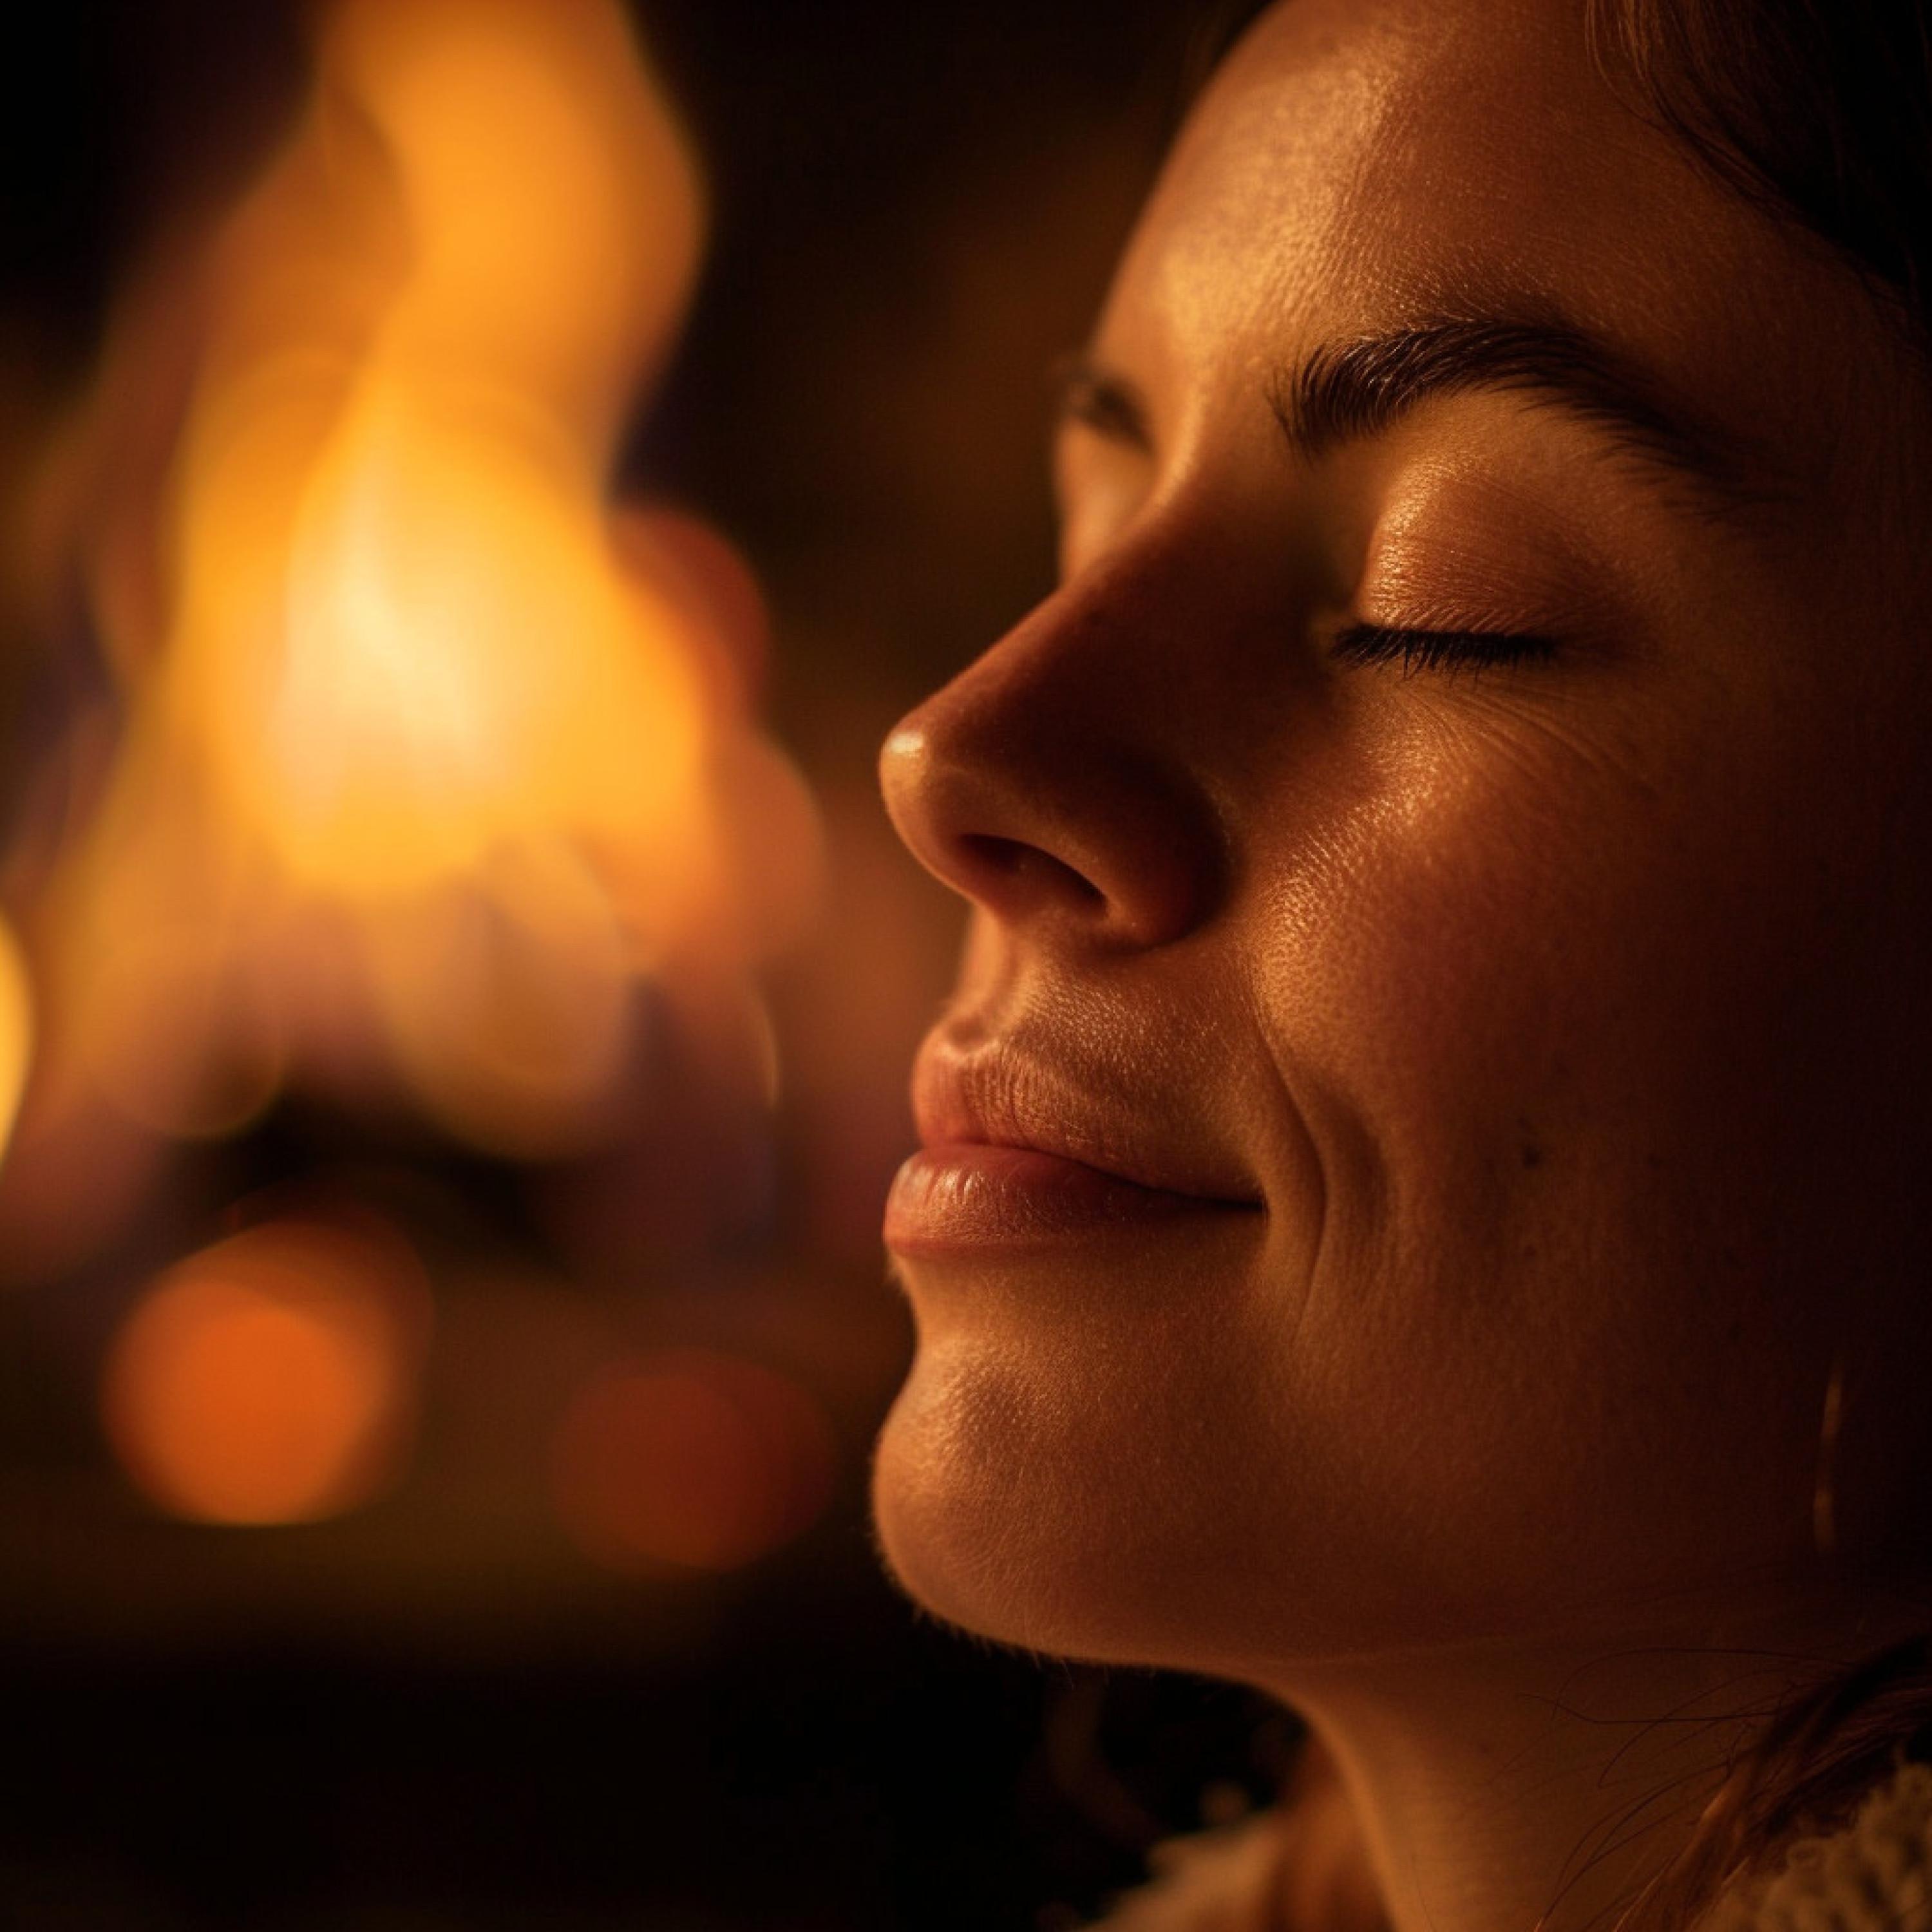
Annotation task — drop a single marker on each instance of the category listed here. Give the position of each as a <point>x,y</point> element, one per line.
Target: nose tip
<point>1047,824</point>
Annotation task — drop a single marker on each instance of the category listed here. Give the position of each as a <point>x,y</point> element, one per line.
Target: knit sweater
<point>1873,1875</point>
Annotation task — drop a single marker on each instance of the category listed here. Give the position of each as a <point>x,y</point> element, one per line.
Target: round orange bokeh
<point>269,1379</point>
<point>690,1459</point>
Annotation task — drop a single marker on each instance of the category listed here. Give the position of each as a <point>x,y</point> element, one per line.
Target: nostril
<point>1015,862</point>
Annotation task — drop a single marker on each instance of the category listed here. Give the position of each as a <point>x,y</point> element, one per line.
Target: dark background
<point>432,1715</point>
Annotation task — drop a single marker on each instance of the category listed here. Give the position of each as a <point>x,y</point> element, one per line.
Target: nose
<point>1050,783</point>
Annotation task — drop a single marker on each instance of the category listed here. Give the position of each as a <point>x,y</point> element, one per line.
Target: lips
<point>1020,1151</point>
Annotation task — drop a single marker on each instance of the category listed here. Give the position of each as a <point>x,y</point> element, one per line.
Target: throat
<point>1537,1793</point>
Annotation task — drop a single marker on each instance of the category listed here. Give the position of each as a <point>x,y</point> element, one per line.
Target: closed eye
<point>1416,651</point>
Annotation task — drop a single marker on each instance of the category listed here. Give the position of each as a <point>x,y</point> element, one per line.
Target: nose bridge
<point>1055,781</point>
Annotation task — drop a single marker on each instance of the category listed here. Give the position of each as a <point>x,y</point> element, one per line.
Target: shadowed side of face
<point>1436,1090</point>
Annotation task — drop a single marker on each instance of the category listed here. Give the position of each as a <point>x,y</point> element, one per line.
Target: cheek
<point>1587,1111</point>
<point>1568,1267</point>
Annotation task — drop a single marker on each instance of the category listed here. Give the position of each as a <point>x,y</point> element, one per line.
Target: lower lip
<point>970,1198</point>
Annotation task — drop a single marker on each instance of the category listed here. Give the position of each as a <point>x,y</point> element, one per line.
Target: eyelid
<point>1417,650</point>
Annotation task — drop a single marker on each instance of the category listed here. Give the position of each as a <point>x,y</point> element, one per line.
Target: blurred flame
<point>269,1379</point>
<point>418,728</point>
<point>406,491</point>
<point>16,1031</point>
<point>692,1459</point>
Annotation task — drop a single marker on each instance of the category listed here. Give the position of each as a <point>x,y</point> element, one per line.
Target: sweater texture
<point>1874,1874</point>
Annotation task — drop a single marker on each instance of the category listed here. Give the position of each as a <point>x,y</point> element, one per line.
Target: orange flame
<point>396,472</point>
<point>268,1379</point>
<point>417,733</point>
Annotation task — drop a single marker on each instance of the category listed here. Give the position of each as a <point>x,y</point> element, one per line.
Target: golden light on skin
<point>270,1378</point>
<point>691,1460</point>
<point>418,725</point>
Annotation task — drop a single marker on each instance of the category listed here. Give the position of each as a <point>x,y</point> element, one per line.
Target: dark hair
<point>1819,1760</point>
<point>1819,110</point>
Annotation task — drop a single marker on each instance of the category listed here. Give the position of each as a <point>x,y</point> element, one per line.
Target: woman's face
<point>1436,1090</point>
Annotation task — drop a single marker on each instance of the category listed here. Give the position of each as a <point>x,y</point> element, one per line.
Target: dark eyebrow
<point>1085,391</point>
<point>1358,388</point>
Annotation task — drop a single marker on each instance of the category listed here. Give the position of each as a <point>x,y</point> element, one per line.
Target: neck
<point>1540,1788</point>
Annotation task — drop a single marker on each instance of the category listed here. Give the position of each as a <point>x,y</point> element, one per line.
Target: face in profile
<point>1435,1087</point>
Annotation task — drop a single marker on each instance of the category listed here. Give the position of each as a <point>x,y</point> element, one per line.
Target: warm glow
<point>397,468</point>
<point>692,1459</point>
<point>269,1379</point>
<point>16,1031</point>
<point>423,740</point>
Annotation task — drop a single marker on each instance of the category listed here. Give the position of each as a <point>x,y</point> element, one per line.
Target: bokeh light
<point>270,1378</point>
<point>692,1459</point>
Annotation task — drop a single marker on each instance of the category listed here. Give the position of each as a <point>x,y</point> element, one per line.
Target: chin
<point>954,1506</point>
<point>1022,1510</point>
<point>1008,1510</point>
<point>1095,1500</point>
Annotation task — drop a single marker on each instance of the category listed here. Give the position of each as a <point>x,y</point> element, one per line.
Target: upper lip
<point>994,1092</point>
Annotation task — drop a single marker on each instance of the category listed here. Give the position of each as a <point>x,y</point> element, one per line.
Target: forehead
<point>1358,162</point>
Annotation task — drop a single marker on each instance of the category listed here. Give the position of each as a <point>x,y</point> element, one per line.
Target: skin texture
<point>1562,1020</point>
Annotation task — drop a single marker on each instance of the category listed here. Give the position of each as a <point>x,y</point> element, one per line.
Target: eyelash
<point>1417,651</point>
